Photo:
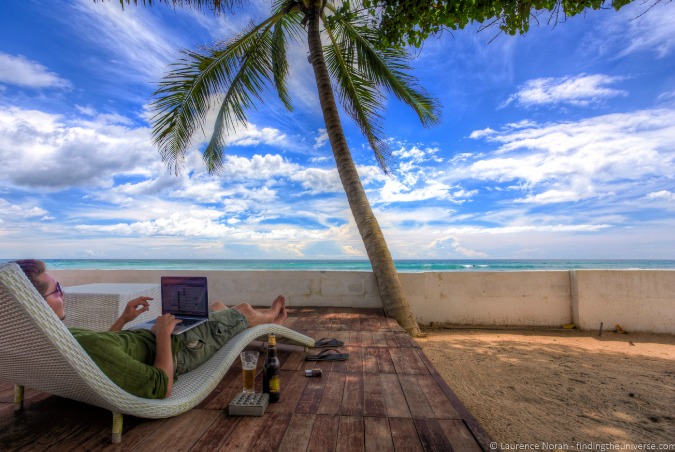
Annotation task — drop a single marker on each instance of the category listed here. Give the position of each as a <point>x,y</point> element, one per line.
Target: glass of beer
<point>249,362</point>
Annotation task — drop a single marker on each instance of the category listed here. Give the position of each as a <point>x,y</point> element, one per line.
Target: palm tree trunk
<point>394,301</point>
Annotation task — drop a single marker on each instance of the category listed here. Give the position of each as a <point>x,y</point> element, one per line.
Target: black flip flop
<point>329,354</point>
<point>328,342</point>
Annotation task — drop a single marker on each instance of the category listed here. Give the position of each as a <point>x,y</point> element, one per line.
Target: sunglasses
<point>58,290</point>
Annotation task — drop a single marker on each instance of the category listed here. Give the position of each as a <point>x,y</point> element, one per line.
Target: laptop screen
<point>185,296</point>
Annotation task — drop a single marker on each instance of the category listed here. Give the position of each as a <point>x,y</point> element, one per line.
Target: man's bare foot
<point>281,318</point>
<point>277,304</point>
<point>260,316</point>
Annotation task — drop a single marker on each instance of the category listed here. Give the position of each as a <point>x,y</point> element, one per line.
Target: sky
<point>559,144</point>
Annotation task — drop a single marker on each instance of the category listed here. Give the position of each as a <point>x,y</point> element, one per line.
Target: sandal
<point>328,342</point>
<point>329,354</point>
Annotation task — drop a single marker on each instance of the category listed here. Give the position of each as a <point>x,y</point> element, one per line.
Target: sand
<point>565,389</point>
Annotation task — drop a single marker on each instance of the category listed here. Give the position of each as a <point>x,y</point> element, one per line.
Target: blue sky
<point>559,144</point>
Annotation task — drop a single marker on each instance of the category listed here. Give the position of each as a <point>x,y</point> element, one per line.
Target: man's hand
<point>163,328</point>
<point>133,309</point>
<point>165,324</point>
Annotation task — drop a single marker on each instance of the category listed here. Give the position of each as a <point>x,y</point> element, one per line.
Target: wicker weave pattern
<point>37,351</point>
<point>97,306</point>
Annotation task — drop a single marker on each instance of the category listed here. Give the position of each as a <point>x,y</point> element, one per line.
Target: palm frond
<point>388,68</point>
<point>187,92</point>
<point>358,95</point>
<point>254,72</point>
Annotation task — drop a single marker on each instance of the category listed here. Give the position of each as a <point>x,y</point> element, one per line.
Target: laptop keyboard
<point>188,322</point>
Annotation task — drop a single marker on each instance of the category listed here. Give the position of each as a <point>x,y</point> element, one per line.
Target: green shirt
<point>127,358</point>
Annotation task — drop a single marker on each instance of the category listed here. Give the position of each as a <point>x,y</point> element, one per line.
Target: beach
<point>565,389</point>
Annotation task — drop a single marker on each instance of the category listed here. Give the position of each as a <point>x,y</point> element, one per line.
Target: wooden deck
<point>386,396</point>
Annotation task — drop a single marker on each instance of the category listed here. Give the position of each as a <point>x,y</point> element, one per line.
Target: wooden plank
<point>471,422</point>
<point>407,361</point>
<point>384,362</point>
<point>51,422</point>
<point>135,431</point>
<point>271,432</point>
<point>352,399</point>
<point>298,433</point>
<point>355,361</point>
<point>292,385</point>
<point>367,339</point>
<point>221,396</point>
<point>404,435</point>
<point>378,434</point>
<point>244,433</point>
<point>331,399</point>
<point>180,432</point>
<point>459,436</point>
<point>370,355</point>
<point>311,396</point>
<point>354,339</point>
<point>379,339</point>
<point>351,434</point>
<point>440,404</point>
<point>417,401</point>
<point>373,402</point>
<point>394,399</point>
<point>400,360</point>
<point>432,436</point>
<point>217,434</point>
<point>390,340</point>
<point>295,361</point>
<point>324,433</point>
<point>403,339</point>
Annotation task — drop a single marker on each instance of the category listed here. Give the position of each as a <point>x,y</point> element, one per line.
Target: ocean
<point>403,266</point>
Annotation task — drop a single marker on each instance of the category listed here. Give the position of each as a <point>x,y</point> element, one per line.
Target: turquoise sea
<point>407,266</point>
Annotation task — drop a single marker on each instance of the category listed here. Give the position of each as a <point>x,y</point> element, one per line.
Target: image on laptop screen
<point>185,296</point>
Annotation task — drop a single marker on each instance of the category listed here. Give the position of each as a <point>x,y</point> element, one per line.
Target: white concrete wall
<point>638,300</point>
<point>490,298</point>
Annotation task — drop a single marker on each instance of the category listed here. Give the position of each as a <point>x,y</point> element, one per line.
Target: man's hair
<point>34,268</point>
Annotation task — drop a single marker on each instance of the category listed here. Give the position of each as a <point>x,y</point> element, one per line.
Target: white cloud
<point>134,39</point>
<point>653,31</point>
<point>394,191</point>
<point>579,160</point>
<point>20,71</point>
<point>351,251</point>
<point>257,167</point>
<point>524,229</point>
<point>251,135</point>
<point>13,211</point>
<point>476,134</point>
<point>417,155</point>
<point>662,195</point>
<point>580,90</point>
<point>321,139</point>
<point>44,150</point>
<point>318,180</point>
<point>441,244</point>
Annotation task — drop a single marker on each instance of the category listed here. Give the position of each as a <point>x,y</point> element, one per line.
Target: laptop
<point>187,298</point>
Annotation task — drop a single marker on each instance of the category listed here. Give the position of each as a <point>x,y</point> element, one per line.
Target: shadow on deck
<point>386,396</point>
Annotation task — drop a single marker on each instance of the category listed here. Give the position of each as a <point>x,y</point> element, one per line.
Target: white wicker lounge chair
<point>38,351</point>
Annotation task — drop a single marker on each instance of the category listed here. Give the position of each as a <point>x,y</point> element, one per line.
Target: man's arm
<point>132,310</point>
<point>163,356</point>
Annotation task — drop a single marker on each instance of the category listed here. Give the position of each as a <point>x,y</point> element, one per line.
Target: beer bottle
<point>272,371</point>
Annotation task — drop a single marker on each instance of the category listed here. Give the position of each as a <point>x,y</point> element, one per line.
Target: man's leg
<point>206,339</point>
<point>275,314</point>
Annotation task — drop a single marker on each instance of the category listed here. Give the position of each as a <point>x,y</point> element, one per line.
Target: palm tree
<point>236,74</point>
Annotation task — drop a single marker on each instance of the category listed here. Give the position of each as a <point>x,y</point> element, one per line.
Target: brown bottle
<point>272,371</point>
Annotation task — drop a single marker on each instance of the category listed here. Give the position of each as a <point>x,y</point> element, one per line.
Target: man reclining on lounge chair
<point>145,362</point>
